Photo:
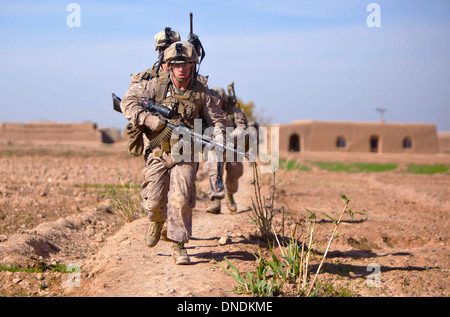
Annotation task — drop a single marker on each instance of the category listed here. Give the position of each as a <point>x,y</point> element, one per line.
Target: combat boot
<point>153,233</point>
<point>215,207</point>
<point>231,204</point>
<point>164,234</point>
<point>179,254</point>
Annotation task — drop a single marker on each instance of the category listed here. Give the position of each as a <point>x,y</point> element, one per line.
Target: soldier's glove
<point>154,123</point>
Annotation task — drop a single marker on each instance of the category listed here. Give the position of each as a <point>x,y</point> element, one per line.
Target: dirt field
<point>54,212</point>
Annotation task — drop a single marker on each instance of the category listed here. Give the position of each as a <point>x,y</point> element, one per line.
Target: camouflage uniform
<point>168,190</point>
<point>235,118</point>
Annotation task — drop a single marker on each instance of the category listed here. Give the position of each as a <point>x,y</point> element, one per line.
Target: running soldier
<point>168,190</point>
<point>235,118</point>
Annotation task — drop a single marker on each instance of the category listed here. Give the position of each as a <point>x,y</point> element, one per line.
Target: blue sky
<point>295,60</point>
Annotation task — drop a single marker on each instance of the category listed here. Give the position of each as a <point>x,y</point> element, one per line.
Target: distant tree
<point>252,113</point>
<point>247,108</point>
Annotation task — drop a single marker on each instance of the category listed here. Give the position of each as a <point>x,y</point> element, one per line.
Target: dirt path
<point>125,266</point>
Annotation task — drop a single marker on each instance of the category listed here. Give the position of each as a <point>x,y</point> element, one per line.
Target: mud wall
<point>444,142</point>
<point>379,137</point>
<point>50,133</point>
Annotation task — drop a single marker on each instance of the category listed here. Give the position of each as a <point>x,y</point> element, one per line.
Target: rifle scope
<point>151,106</point>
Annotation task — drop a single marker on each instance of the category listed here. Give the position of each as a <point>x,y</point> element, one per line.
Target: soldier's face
<point>182,72</point>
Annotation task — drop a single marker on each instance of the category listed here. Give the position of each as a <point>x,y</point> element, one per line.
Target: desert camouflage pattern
<point>175,205</point>
<point>160,39</point>
<point>236,119</point>
<point>169,192</point>
<point>234,170</point>
<point>141,89</point>
<point>188,53</point>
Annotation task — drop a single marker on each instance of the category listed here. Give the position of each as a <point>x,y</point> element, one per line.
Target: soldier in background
<point>235,118</point>
<point>163,40</point>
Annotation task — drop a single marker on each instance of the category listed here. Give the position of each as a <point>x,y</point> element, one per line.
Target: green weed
<point>291,165</point>
<point>328,289</point>
<point>262,282</point>
<point>125,200</point>
<point>292,267</point>
<point>355,167</point>
<point>41,267</point>
<point>263,210</point>
<point>428,169</point>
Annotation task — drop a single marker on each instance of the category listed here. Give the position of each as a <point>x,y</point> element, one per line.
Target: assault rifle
<point>159,62</point>
<point>166,114</point>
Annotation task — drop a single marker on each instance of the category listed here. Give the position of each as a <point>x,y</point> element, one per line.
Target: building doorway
<point>294,143</point>
<point>407,143</point>
<point>374,144</point>
<point>340,142</point>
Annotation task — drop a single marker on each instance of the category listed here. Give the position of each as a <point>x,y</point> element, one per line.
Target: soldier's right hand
<point>155,123</point>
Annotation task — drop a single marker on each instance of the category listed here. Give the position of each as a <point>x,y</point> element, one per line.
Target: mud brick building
<point>444,142</point>
<point>50,133</point>
<point>377,137</point>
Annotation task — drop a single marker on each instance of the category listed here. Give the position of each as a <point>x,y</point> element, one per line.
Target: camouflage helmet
<point>164,38</point>
<point>219,92</point>
<point>181,52</point>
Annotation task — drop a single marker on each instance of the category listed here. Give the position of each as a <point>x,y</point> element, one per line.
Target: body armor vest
<point>187,105</point>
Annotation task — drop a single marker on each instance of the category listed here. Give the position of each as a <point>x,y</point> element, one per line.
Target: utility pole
<point>382,111</point>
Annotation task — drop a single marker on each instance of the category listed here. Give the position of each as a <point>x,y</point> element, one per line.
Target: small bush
<point>263,210</point>
<point>293,267</point>
<point>126,200</point>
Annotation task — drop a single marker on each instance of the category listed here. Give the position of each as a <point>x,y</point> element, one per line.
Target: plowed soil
<point>55,212</point>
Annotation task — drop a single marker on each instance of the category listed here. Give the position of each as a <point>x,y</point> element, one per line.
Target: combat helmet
<point>165,38</point>
<point>181,52</point>
<point>219,92</point>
